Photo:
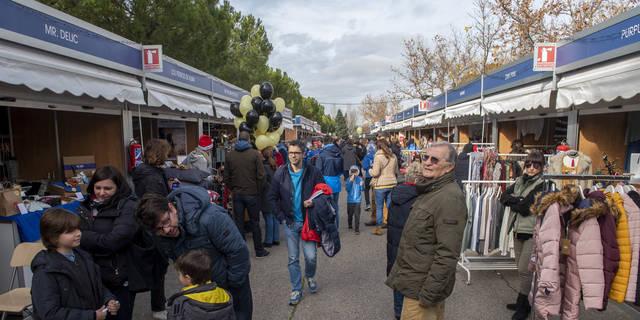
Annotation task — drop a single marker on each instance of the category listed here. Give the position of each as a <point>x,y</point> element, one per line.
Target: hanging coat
<point>633,216</point>
<point>621,280</point>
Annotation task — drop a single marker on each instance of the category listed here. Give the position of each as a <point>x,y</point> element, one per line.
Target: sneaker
<point>313,285</point>
<point>378,231</point>
<point>160,315</point>
<point>295,298</point>
<point>276,243</point>
<point>262,254</point>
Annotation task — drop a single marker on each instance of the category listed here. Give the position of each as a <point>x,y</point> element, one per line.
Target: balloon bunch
<point>260,116</point>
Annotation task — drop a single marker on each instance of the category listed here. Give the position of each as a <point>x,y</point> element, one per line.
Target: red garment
<point>279,158</point>
<point>324,187</point>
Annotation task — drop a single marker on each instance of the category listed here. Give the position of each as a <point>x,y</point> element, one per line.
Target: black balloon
<point>276,120</point>
<point>252,118</point>
<point>266,90</point>
<point>245,127</point>
<point>268,107</point>
<point>256,102</point>
<point>235,109</point>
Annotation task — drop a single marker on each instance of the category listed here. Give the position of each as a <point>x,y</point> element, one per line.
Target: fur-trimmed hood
<point>565,198</point>
<point>588,209</point>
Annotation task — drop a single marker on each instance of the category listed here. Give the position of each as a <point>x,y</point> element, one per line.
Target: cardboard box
<point>58,189</point>
<point>9,199</point>
<point>74,165</point>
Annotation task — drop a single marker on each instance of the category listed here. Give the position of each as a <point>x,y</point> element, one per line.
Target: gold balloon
<point>255,91</point>
<point>244,108</point>
<point>237,121</point>
<point>246,100</point>
<point>262,141</point>
<point>279,102</point>
<point>263,125</point>
<point>359,130</point>
<point>275,137</point>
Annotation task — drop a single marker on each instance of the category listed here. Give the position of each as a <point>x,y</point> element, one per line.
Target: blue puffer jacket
<point>330,164</point>
<point>367,163</point>
<point>207,226</point>
<point>281,193</point>
<point>354,190</point>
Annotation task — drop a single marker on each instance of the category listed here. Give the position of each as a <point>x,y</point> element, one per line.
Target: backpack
<point>181,307</point>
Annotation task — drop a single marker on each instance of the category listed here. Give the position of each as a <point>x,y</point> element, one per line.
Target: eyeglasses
<point>535,165</point>
<point>426,157</point>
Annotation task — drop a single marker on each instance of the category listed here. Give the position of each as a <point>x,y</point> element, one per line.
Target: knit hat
<point>205,143</point>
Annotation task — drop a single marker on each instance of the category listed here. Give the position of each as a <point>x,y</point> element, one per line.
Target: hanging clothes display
<point>570,162</point>
<point>586,246</point>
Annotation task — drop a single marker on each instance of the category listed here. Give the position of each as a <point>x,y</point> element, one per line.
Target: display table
<point>29,223</point>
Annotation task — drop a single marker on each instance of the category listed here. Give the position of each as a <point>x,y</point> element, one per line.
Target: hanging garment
<point>533,126</point>
<point>570,162</point>
<point>633,216</point>
<point>621,280</point>
<point>505,233</point>
<point>636,199</point>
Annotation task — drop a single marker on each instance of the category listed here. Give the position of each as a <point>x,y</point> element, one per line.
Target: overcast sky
<point>339,51</point>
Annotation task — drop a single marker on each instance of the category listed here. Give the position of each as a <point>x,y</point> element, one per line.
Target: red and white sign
<point>423,106</point>
<point>544,57</point>
<point>152,58</point>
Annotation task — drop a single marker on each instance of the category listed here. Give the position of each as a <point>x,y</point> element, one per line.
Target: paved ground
<point>352,287</point>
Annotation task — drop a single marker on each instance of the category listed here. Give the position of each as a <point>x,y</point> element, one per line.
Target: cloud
<point>339,51</point>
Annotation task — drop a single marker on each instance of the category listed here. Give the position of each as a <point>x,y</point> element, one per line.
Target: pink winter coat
<point>546,296</point>
<point>633,218</point>
<point>585,267</point>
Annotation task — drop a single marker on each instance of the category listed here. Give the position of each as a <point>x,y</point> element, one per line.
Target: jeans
<point>310,256</point>
<point>397,303</point>
<point>336,199</point>
<point>252,204</point>
<point>383,197</point>
<point>353,211</point>
<point>271,228</point>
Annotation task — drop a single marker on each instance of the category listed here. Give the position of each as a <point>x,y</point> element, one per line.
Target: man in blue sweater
<point>291,187</point>
<point>330,165</point>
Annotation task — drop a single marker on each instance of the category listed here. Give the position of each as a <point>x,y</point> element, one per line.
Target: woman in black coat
<point>108,229</point>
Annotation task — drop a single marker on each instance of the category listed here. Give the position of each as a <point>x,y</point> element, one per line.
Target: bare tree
<point>485,33</point>
<point>415,78</point>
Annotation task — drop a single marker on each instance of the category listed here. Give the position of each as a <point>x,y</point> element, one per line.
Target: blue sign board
<point>613,37</point>
<point>437,103</point>
<point>513,75</point>
<point>223,89</point>
<point>30,22</point>
<point>175,72</point>
<point>464,93</point>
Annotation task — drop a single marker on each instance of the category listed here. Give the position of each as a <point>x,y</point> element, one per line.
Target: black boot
<point>519,301</point>
<point>522,313</point>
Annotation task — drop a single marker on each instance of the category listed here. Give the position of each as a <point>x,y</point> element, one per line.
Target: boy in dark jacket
<point>354,197</point>
<point>66,283</point>
<point>200,298</point>
<point>402,198</point>
<point>187,220</point>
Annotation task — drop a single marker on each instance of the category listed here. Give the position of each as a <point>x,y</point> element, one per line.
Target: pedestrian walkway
<point>351,286</point>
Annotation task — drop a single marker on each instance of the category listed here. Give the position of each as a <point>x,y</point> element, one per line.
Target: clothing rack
<point>599,177</point>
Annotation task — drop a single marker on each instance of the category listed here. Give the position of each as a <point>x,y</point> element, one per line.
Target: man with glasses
<point>187,220</point>
<point>291,187</point>
<point>425,268</point>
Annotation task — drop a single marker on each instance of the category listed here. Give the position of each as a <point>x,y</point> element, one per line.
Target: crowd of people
<point>122,237</point>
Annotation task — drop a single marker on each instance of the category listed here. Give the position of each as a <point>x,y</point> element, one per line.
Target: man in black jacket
<point>291,187</point>
<point>244,175</point>
<point>402,198</point>
<point>187,220</point>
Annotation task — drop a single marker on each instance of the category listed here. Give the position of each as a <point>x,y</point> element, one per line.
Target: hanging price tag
<point>565,246</point>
